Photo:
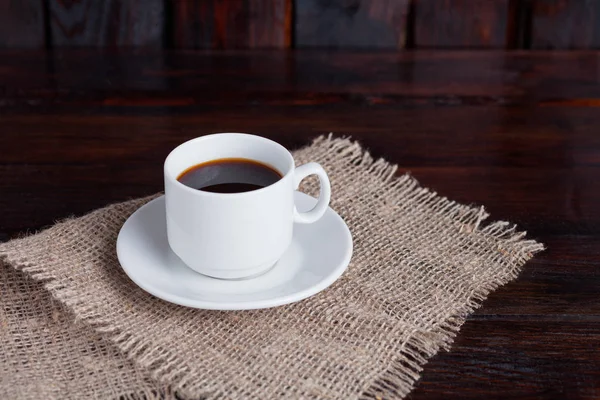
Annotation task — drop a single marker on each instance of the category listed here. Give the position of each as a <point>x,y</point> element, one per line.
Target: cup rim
<point>171,178</point>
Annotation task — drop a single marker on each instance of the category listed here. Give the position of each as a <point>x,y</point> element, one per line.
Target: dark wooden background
<point>371,24</point>
<point>516,131</point>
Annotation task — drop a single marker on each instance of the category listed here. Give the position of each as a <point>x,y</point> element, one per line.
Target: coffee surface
<point>229,175</point>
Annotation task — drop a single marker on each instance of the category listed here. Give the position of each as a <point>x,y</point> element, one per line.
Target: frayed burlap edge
<point>403,373</point>
<point>405,370</point>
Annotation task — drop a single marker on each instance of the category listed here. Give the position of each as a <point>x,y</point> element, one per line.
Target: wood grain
<point>218,24</point>
<point>508,168</point>
<point>135,81</point>
<point>516,360</point>
<point>110,23</point>
<point>351,23</point>
<point>562,24</point>
<point>559,284</point>
<point>462,23</point>
<point>22,23</point>
<point>514,131</point>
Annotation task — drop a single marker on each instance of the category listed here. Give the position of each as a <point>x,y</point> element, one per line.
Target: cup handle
<point>317,212</point>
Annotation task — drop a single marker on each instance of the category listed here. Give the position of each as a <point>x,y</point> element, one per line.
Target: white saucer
<point>319,254</point>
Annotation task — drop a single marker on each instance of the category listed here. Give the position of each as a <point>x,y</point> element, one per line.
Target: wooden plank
<point>110,23</point>
<point>462,23</point>
<point>506,160</point>
<point>562,282</point>
<point>351,24</point>
<point>526,359</point>
<point>220,24</point>
<point>560,24</point>
<point>410,79</point>
<point>22,23</point>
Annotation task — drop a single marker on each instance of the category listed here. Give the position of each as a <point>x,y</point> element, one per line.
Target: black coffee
<point>229,175</point>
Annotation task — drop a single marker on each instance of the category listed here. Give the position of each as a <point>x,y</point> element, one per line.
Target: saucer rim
<point>323,284</point>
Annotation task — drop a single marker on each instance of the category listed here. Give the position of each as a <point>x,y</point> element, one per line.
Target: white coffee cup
<point>236,235</point>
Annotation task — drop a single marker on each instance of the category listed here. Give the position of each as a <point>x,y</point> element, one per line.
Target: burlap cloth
<point>74,326</point>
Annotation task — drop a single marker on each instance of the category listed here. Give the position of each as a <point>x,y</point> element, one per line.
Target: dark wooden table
<point>517,132</point>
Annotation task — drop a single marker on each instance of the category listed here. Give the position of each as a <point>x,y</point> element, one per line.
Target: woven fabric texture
<point>75,326</point>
